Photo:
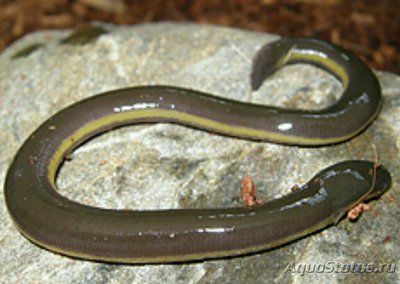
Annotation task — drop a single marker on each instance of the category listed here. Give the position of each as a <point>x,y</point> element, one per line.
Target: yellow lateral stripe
<point>180,117</point>
<point>330,64</point>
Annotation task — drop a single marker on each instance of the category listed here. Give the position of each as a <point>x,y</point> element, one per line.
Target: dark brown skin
<point>64,226</point>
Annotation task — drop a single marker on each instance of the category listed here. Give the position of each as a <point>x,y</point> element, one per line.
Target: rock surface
<point>169,166</point>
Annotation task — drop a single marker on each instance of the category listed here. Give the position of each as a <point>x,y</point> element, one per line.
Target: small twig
<point>248,193</point>
<point>356,211</point>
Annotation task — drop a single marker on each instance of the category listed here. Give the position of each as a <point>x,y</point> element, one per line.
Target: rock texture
<point>169,166</point>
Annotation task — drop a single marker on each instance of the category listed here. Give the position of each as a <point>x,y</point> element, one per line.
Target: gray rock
<point>169,166</point>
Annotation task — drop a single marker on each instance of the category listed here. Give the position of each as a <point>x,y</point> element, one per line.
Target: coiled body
<point>64,226</point>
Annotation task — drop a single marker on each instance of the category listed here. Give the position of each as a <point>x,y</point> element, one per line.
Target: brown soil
<point>371,28</point>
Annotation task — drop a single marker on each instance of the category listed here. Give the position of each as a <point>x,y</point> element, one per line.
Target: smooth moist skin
<point>70,228</point>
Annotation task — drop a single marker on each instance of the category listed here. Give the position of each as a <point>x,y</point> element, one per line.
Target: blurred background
<point>370,28</point>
